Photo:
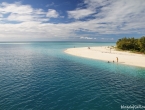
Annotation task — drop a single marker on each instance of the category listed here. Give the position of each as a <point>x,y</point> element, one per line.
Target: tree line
<point>132,44</point>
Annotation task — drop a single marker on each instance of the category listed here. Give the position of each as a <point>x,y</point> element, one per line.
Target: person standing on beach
<point>117,59</point>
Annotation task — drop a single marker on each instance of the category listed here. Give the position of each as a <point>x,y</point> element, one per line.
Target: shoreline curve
<point>106,54</point>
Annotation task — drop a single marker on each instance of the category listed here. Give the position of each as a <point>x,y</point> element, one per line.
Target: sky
<point>71,20</point>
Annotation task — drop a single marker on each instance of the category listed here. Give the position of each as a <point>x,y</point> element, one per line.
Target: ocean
<point>40,76</point>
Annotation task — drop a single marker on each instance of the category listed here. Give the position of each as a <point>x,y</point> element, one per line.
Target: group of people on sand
<point>110,52</point>
<point>113,60</point>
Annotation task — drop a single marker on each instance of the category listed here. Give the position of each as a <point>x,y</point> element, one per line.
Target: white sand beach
<point>104,53</point>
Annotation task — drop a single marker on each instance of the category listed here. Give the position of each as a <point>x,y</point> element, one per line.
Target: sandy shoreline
<point>104,53</point>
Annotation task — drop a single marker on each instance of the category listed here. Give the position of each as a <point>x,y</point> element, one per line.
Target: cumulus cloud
<point>19,17</point>
<point>80,13</point>
<point>15,8</point>
<point>87,38</point>
<point>104,17</point>
<point>20,13</point>
<point>26,22</point>
<point>52,13</point>
<point>112,17</point>
<point>89,9</point>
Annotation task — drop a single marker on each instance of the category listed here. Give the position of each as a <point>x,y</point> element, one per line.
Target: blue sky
<point>71,20</point>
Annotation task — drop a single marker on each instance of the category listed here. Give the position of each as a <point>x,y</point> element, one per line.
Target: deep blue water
<point>40,76</point>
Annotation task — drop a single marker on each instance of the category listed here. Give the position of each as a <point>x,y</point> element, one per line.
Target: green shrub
<point>132,44</point>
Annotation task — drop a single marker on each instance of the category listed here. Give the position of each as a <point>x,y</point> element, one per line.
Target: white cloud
<point>111,17</point>
<point>89,38</point>
<point>80,13</point>
<point>19,12</point>
<point>52,13</point>
<point>93,4</point>
<point>89,9</point>
<point>19,17</point>
<point>15,8</point>
<point>35,30</point>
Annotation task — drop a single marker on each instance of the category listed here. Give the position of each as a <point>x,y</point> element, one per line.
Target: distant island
<point>132,44</point>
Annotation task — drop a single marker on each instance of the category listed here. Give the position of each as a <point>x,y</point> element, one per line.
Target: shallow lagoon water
<point>40,76</point>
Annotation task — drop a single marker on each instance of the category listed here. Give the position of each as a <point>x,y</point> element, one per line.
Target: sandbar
<point>106,54</point>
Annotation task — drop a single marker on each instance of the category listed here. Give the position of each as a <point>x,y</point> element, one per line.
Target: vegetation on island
<point>132,44</point>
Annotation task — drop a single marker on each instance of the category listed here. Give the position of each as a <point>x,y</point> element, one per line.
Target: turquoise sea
<point>40,76</point>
